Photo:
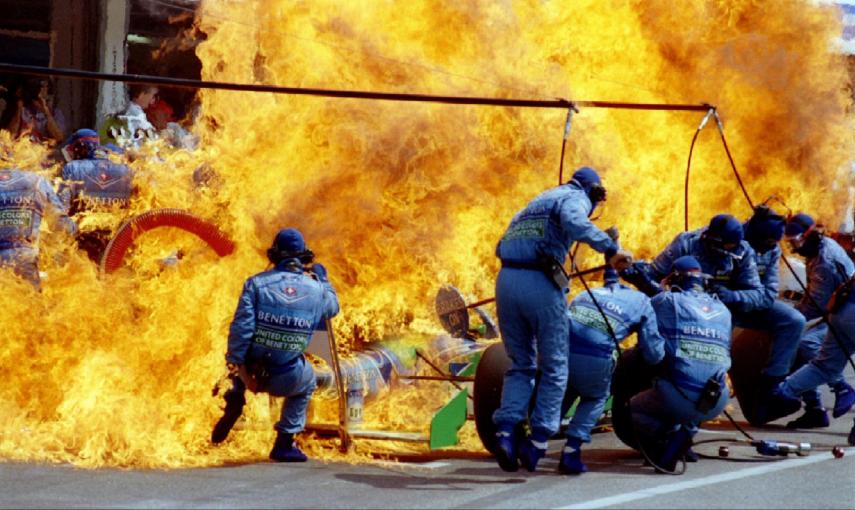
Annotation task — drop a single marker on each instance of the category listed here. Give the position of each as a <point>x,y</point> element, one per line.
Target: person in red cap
<point>276,315</point>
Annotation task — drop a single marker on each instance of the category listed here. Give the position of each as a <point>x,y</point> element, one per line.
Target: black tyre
<point>749,350</point>
<point>632,375</point>
<point>489,379</point>
<point>487,392</point>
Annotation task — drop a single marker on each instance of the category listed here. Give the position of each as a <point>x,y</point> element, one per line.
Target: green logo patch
<point>281,340</point>
<point>534,228</point>
<point>16,218</point>
<point>703,352</point>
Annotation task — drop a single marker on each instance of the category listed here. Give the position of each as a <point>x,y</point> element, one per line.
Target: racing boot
<point>235,400</point>
<point>284,449</point>
<point>691,456</point>
<point>507,449</point>
<point>679,441</point>
<point>813,418</point>
<point>533,449</point>
<point>772,404</point>
<point>571,458</point>
<point>851,438</point>
<point>844,398</point>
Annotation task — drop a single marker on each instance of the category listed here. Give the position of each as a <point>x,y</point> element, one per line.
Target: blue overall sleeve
<point>771,279</point>
<point>650,342</point>
<point>330,299</point>
<point>661,265</point>
<point>821,284</point>
<point>243,325</point>
<point>745,283</point>
<point>575,221</point>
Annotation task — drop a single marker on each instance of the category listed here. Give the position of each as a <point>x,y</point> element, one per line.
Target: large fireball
<point>397,198</point>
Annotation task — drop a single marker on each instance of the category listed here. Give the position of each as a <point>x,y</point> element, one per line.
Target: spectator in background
<point>160,113</point>
<point>142,97</point>
<point>34,113</point>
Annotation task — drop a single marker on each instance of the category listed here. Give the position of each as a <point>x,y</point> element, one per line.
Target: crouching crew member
<point>532,307</point>
<point>696,331</point>
<point>276,315</point>
<point>764,231</point>
<point>593,354</point>
<point>836,349</point>
<point>828,267</point>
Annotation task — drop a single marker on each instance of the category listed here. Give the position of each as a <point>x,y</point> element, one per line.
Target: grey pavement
<point>467,480</point>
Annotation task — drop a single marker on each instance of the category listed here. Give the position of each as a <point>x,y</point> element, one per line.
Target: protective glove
<point>725,295</point>
<point>638,275</point>
<point>622,259</point>
<point>613,233</point>
<point>320,271</point>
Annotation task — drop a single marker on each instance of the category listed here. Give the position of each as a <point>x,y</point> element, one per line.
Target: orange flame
<point>398,198</point>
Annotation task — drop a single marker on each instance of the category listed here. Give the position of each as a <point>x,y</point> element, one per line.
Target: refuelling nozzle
<point>779,448</point>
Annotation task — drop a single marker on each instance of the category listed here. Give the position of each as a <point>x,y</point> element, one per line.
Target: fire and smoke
<point>397,198</point>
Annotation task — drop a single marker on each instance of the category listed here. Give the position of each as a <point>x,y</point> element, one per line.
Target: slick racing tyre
<point>632,375</point>
<point>749,350</point>
<point>487,393</point>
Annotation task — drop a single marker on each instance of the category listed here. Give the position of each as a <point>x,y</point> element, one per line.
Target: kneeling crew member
<point>696,328</point>
<point>276,315</point>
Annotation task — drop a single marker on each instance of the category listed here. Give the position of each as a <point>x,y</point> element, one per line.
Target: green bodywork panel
<point>447,422</point>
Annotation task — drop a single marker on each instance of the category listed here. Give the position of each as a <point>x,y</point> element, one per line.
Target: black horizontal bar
<point>353,94</point>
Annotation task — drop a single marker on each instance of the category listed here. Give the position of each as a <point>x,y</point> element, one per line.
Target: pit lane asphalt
<point>468,480</point>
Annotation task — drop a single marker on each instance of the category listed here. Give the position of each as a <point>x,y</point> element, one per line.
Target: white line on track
<point>411,466</point>
<point>708,480</point>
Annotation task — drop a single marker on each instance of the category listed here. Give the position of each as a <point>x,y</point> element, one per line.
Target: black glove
<point>725,295</point>
<point>320,271</point>
<point>639,275</point>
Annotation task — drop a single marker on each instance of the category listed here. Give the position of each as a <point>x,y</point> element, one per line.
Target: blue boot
<point>844,399</point>
<point>507,449</point>
<point>571,458</point>
<point>284,449</point>
<point>772,404</point>
<point>813,418</point>
<point>678,442</point>
<point>531,452</point>
<point>691,456</point>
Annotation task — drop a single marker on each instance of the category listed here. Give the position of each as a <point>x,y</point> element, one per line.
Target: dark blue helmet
<point>588,179</point>
<point>723,235</point>
<point>289,240</point>
<point>84,144</point>
<point>764,229</point>
<point>289,244</point>
<point>686,273</point>
<point>800,228</point>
